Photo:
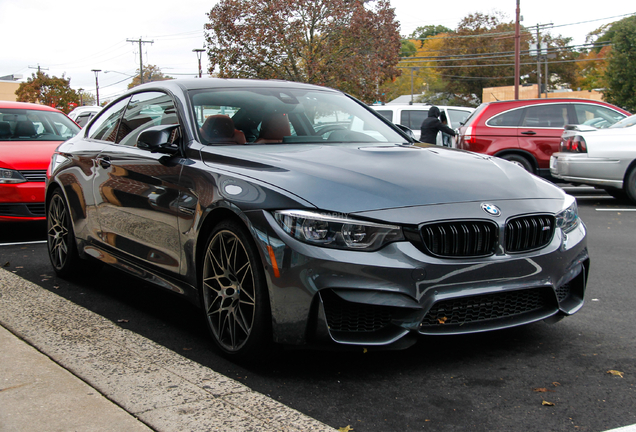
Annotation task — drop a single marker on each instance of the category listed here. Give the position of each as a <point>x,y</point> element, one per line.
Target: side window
<point>510,118</point>
<point>546,116</point>
<point>105,126</point>
<point>594,115</point>
<point>413,118</point>
<point>387,114</point>
<point>145,110</point>
<point>457,117</point>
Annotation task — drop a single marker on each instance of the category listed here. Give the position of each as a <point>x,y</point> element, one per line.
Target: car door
<point>138,191</point>
<point>540,130</point>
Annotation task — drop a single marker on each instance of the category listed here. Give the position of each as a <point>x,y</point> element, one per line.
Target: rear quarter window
<point>510,118</point>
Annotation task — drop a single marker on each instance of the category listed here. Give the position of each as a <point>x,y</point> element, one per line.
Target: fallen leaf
<point>122,320</point>
<point>442,320</point>
<point>364,350</point>
<point>187,349</point>
<point>556,384</point>
<point>345,429</point>
<point>542,390</point>
<point>546,403</point>
<point>616,373</point>
<point>56,286</point>
<point>7,264</point>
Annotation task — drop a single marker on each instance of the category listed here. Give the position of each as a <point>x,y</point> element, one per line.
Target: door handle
<point>528,133</point>
<point>104,162</point>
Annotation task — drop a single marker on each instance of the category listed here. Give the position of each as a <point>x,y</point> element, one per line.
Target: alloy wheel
<point>229,291</point>
<point>58,234</point>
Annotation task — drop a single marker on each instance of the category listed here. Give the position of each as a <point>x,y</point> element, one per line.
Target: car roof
<point>422,106</point>
<point>185,84</point>
<point>26,105</point>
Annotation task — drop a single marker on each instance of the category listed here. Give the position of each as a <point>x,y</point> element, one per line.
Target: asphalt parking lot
<point>535,378</point>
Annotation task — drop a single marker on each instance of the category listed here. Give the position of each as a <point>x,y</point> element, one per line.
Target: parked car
<point>83,114</point>
<point>527,132</point>
<point>29,134</point>
<point>292,213</point>
<point>412,117</point>
<point>604,158</point>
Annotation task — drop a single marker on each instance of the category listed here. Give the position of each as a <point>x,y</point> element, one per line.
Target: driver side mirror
<point>406,130</point>
<point>156,139</point>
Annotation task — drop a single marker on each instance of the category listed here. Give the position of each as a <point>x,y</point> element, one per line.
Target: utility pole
<point>538,63</point>
<point>97,71</point>
<point>198,51</point>
<point>141,62</point>
<point>38,68</point>
<point>517,52</point>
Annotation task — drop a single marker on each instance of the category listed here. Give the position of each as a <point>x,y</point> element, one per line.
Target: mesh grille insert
<point>486,307</point>
<point>346,316</point>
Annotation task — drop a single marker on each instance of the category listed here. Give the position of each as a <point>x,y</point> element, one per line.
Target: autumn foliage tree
<point>619,75</point>
<point>151,73</point>
<point>351,45</point>
<point>51,91</point>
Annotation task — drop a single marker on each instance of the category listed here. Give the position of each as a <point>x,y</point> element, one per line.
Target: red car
<point>29,134</point>
<point>527,132</point>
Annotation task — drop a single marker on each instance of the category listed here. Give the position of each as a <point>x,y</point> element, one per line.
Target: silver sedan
<point>604,158</point>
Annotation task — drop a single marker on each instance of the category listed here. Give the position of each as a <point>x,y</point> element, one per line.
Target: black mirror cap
<point>156,139</point>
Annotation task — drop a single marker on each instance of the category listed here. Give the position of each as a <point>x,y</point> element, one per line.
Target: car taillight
<point>573,144</point>
<point>469,136</point>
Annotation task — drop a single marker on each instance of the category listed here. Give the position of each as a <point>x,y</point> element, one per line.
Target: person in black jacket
<point>432,125</point>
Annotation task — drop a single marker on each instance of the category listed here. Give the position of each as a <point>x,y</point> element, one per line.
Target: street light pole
<point>97,71</point>
<point>198,52</point>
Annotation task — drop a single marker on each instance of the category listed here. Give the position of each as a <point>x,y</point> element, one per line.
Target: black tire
<point>522,161</point>
<point>234,291</point>
<point>616,193</point>
<point>60,237</point>
<point>630,185</point>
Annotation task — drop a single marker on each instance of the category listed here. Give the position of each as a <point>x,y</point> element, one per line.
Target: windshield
<point>35,125</point>
<point>625,123</point>
<point>285,115</point>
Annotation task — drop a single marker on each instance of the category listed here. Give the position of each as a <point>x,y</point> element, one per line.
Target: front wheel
<point>235,293</point>
<point>60,238</point>
<point>630,185</point>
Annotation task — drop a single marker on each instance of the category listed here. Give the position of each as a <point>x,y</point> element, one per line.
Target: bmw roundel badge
<point>491,209</point>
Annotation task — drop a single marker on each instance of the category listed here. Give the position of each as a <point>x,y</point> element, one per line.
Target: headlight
<point>10,176</point>
<point>568,218</point>
<point>336,231</point>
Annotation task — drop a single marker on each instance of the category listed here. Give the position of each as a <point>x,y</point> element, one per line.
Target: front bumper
<point>22,202</point>
<point>327,296</point>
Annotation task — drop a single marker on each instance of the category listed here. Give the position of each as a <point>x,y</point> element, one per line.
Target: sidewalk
<point>64,368</point>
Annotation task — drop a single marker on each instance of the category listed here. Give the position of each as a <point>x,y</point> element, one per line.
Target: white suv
<point>412,116</point>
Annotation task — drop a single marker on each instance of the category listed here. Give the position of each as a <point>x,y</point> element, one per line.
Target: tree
<point>352,45</point>
<point>591,68</point>
<point>425,32</point>
<point>151,73</point>
<point>45,90</point>
<point>481,54</point>
<point>619,76</point>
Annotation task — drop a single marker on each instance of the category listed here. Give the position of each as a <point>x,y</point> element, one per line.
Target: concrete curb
<point>161,388</point>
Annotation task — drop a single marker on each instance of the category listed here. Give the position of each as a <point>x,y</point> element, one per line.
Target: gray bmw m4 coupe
<point>293,214</point>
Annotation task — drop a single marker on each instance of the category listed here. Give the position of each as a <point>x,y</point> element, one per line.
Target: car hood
<point>27,155</point>
<point>348,178</point>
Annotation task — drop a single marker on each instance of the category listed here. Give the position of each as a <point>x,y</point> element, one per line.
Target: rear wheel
<point>630,185</point>
<point>616,193</point>
<point>60,237</point>
<point>235,293</point>
<point>522,161</point>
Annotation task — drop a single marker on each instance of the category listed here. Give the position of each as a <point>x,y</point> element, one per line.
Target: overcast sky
<point>74,37</point>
